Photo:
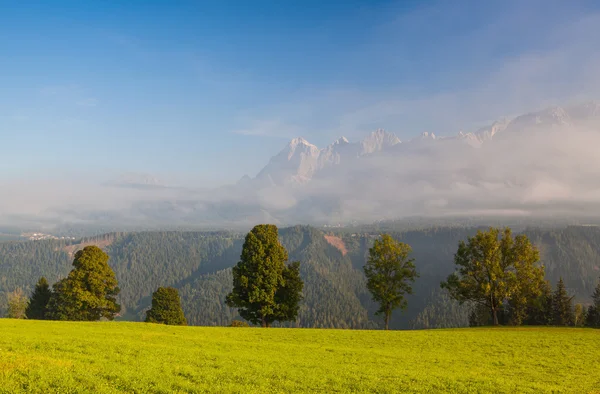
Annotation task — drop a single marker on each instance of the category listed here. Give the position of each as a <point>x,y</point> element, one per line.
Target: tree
<point>539,310</point>
<point>166,308</point>
<point>264,289</point>
<point>38,305</point>
<point>390,274</point>
<point>529,282</point>
<point>562,306</point>
<point>580,315</point>
<point>289,295</point>
<point>593,313</point>
<point>89,292</point>
<point>17,304</point>
<point>492,268</point>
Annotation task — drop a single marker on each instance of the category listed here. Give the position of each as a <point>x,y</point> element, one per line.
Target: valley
<point>199,265</point>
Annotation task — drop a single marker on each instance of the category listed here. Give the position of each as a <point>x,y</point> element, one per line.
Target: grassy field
<point>66,357</point>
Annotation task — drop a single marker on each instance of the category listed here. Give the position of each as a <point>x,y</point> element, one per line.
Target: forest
<point>199,264</point>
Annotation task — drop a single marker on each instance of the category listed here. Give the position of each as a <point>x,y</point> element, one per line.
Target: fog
<point>542,170</point>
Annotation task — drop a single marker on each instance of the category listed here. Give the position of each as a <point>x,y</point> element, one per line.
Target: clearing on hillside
<point>47,357</point>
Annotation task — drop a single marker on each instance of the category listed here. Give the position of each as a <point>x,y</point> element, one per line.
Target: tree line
<point>503,280</point>
<point>89,293</point>
<point>497,274</point>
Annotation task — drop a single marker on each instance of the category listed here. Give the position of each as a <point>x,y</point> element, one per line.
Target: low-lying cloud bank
<point>540,169</point>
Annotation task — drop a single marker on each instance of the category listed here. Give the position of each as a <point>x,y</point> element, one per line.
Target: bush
<point>238,323</point>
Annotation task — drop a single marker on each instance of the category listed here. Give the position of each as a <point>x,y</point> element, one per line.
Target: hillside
<point>199,265</point>
<point>52,357</point>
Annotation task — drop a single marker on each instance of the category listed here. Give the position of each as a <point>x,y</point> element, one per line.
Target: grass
<point>69,357</point>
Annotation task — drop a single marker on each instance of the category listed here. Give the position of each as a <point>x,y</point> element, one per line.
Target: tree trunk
<point>387,319</point>
<point>495,316</point>
<point>263,322</point>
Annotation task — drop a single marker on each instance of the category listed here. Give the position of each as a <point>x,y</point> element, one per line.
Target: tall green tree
<point>593,313</point>
<point>38,304</point>
<point>264,289</point>
<point>539,310</point>
<point>493,267</point>
<point>17,304</point>
<point>562,306</point>
<point>89,292</point>
<point>528,282</point>
<point>390,274</point>
<point>166,308</point>
<point>289,295</point>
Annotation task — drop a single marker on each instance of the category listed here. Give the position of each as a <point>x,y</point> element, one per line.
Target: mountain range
<point>537,165</point>
<point>300,160</point>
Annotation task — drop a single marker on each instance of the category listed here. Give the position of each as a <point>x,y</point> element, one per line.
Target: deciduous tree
<point>492,268</point>
<point>580,315</point>
<point>390,274</point>
<point>89,291</point>
<point>17,304</point>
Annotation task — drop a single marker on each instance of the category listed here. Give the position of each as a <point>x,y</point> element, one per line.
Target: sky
<point>205,92</point>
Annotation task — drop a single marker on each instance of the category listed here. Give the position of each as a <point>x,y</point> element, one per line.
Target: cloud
<point>530,173</point>
<point>511,61</point>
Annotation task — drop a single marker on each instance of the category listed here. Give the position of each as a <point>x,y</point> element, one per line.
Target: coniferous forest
<point>199,265</point>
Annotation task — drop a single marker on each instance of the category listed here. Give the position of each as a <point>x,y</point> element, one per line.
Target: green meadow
<point>72,357</point>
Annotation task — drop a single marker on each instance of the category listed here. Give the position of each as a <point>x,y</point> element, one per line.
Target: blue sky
<point>210,90</point>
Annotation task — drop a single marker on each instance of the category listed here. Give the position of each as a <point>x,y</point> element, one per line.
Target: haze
<point>164,114</point>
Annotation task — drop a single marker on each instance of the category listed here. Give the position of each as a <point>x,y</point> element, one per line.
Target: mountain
<point>535,165</point>
<point>297,162</point>
<point>300,160</point>
<point>377,141</point>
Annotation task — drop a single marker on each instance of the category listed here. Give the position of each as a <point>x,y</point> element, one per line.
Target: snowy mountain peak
<point>425,136</point>
<point>378,140</point>
<point>554,116</point>
<point>341,141</point>
<point>299,141</point>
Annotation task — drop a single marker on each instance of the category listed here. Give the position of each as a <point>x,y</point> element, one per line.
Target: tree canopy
<point>264,289</point>
<point>390,273</point>
<point>494,267</point>
<point>17,304</point>
<point>562,306</point>
<point>166,308</point>
<point>593,313</point>
<point>89,292</point>
<point>38,304</point>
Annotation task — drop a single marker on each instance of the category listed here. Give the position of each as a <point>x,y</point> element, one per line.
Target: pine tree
<point>593,314</point>
<point>562,306</point>
<point>289,295</point>
<point>38,305</point>
<point>166,308</point>
<point>89,292</point>
<point>260,277</point>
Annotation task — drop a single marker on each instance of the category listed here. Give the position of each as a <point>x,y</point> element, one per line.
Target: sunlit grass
<point>66,357</point>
